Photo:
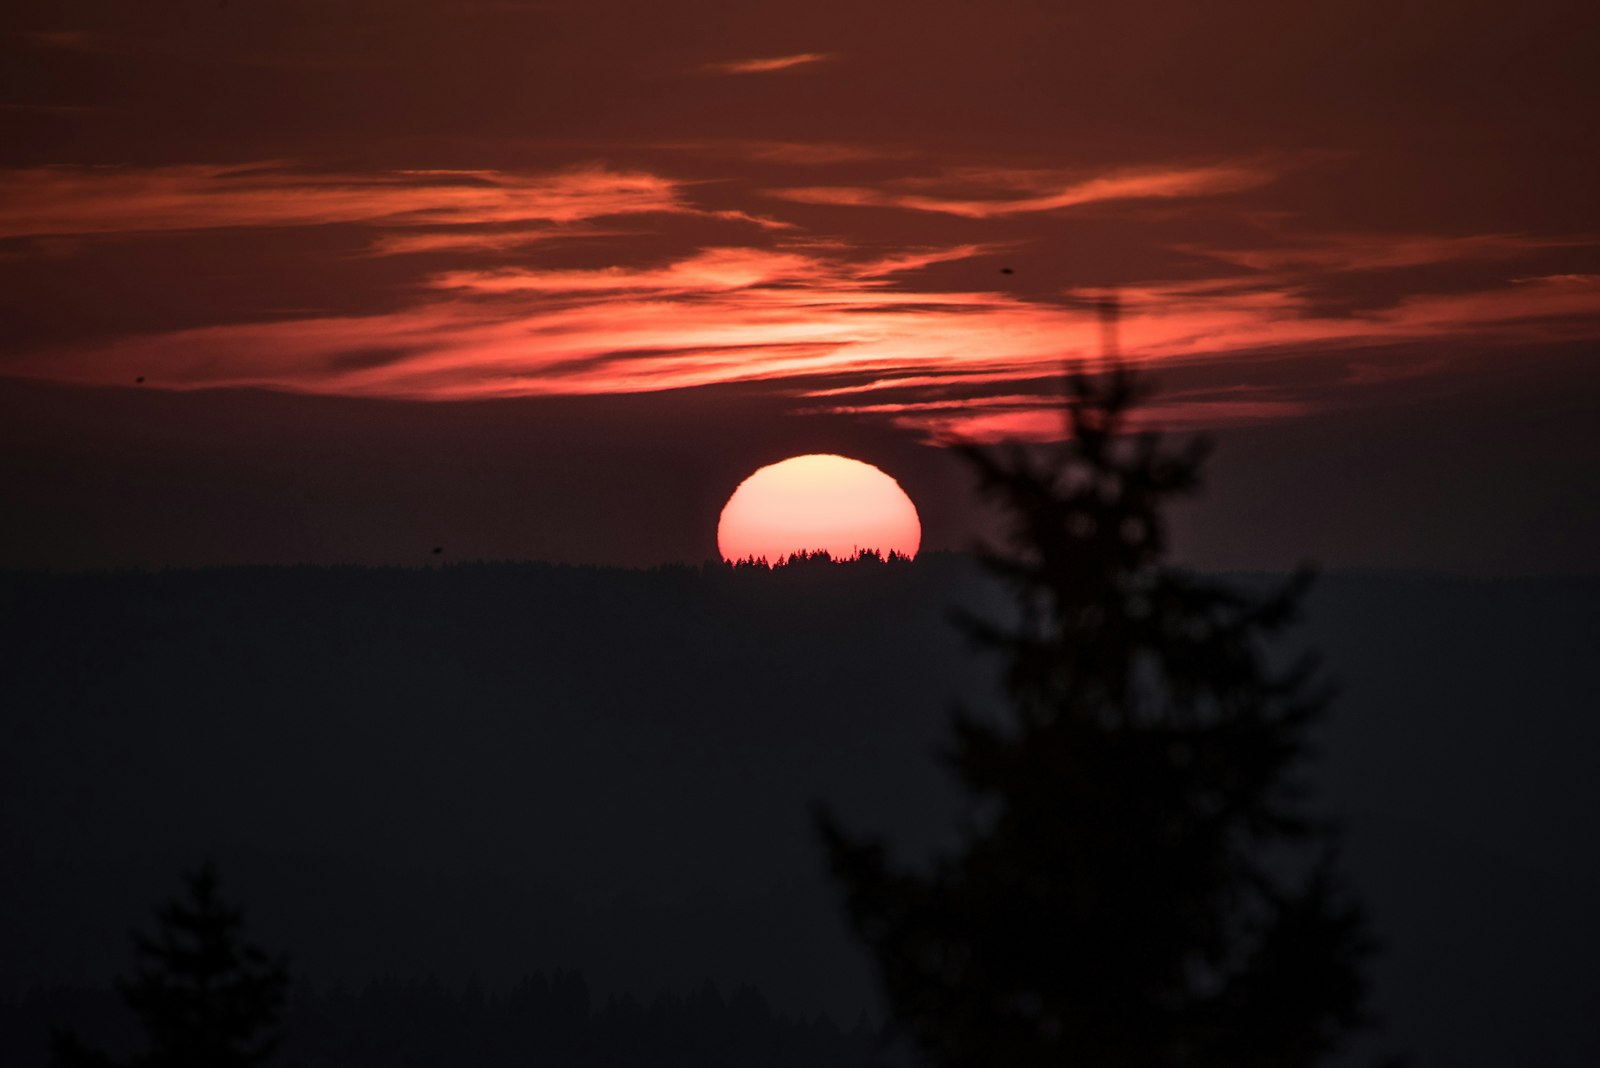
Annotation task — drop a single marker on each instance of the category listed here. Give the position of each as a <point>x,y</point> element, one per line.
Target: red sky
<point>873,223</point>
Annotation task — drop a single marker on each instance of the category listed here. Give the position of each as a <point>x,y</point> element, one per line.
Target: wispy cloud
<point>790,153</point>
<point>103,200</point>
<point>475,240</point>
<point>799,270</point>
<point>737,315</point>
<point>708,271</point>
<point>961,195</point>
<point>1376,251</point>
<point>703,294</point>
<point>768,65</point>
<point>1037,417</point>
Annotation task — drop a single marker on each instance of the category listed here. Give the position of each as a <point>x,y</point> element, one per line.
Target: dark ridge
<point>465,768</point>
<point>396,1022</point>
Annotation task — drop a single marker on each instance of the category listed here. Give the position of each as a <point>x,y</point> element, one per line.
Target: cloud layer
<point>934,338</point>
<point>906,215</point>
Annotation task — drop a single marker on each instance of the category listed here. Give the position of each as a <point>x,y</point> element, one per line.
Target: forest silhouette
<point>204,997</point>
<point>495,768</point>
<point>1115,906</point>
<point>1119,897</point>
<point>813,558</point>
<point>540,1019</point>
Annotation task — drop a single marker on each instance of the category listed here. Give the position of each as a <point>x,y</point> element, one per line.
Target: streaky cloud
<point>790,153</point>
<point>1044,192</point>
<point>710,270</point>
<point>729,316</point>
<point>1379,251</point>
<point>89,200</point>
<point>714,294</point>
<point>768,65</point>
<point>466,241</point>
<point>1039,418</point>
<point>716,269</point>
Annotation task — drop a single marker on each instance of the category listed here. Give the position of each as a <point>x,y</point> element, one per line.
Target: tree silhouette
<point>205,999</point>
<point>1137,885</point>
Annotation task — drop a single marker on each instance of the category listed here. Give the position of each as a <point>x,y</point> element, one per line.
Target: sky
<point>316,282</point>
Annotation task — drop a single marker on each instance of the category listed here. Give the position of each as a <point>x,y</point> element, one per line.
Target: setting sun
<point>818,502</point>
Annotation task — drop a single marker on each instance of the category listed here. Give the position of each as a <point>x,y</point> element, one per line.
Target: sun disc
<point>818,502</point>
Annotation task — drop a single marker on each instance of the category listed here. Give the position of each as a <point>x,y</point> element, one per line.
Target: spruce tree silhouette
<point>1138,885</point>
<point>205,999</point>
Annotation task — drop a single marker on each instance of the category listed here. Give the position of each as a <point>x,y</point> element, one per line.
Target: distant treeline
<point>555,1020</point>
<point>862,557</point>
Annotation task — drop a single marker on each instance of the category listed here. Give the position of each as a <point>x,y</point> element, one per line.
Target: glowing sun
<point>817,502</point>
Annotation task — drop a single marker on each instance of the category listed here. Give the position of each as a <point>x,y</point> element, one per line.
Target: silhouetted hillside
<point>482,769</point>
<point>400,1023</point>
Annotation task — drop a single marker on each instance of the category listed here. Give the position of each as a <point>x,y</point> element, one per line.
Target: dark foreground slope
<point>491,770</point>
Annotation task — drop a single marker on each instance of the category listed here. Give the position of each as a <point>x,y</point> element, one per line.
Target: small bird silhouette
<point>139,379</point>
<point>437,549</point>
<point>1007,270</point>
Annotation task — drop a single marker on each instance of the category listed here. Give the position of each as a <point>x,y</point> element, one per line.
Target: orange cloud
<point>709,270</point>
<point>1044,192</point>
<point>713,270</point>
<point>768,65</point>
<point>473,240</point>
<point>825,319</point>
<point>1039,418</point>
<point>725,316</point>
<point>103,200</point>
<point>1366,252</point>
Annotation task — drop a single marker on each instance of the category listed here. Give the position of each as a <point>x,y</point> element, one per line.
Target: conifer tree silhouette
<point>1138,886</point>
<point>205,999</point>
